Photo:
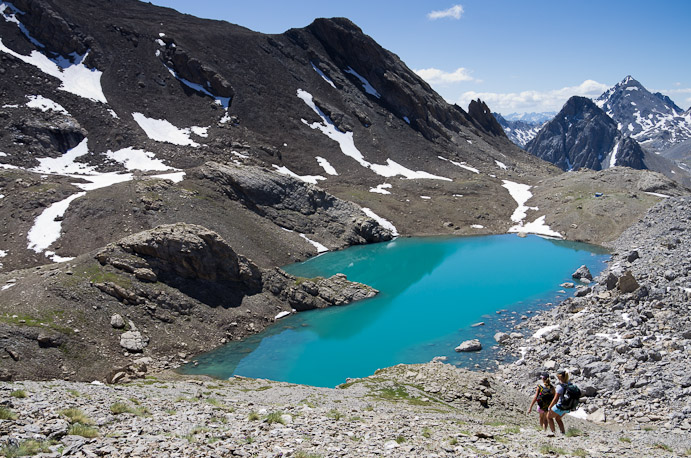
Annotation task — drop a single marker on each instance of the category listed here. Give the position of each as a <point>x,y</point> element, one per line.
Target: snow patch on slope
<point>44,104</point>
<point>347,145</point>
<point>382,222</point>
<point>312,179</point>
<point>161,130</point>
<point>521,194</point>
<point>365,84</point>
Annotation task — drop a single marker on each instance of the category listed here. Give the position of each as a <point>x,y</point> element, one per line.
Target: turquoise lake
<point>432,290</point>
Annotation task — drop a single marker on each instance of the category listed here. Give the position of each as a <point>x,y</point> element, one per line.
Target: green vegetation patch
<point>301,454</point>
<point>274,417</point>
<point>46,320</point>
<point>20,394</point>
<point>399,393</point>
<point>26,448</point>
<point>118,408</point>
<point>334,414</point>
<point>79,429</point>
<point>664,447</point>
<point>552,450</point>
<point>95,272</point>
<point>573,432</point>
<point>75,415</point>
<point>7,414</point>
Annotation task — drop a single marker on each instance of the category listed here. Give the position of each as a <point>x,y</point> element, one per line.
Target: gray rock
<point>582,272</point>
<point>47,339</point>
<point>117,321</point>
<point>598,416</point>
<point>133,341</point>
<point>611,281</point>
<point>469,345</point>
<point>55,428</point>
<point>501,337</point>
<point>145,275</point>
<point>582,291</point>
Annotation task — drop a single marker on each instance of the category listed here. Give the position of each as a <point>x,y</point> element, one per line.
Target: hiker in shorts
<point>556,409</point>
<point>543,397</point>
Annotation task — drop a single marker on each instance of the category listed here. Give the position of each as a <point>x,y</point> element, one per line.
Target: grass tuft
<point>301,454</point>
<point>27,448</point>
<point>334,414</point>
<point>79,429</point>
<point>76,416</point>
<point>7,414</point>
<point>19,394</point>
<point>664,447</point>
<point>573,432</point>
<point>274,417</point>
<point>551,450</point>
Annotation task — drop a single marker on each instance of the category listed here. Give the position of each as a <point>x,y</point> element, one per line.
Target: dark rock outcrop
<point>294,204</point>
<point>50,28</point>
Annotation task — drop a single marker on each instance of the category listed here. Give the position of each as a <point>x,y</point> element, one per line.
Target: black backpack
<point>569,400</point>
<point>545,396</point>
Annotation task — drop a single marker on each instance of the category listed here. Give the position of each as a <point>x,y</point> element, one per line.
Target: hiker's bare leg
<point>560,423</point>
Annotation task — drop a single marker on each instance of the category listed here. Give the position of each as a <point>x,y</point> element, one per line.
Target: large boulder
<point>191,258</point>
<point>469,345</point>
<point>627,283</point>
<point>581,273</point>
<point>133,341</point>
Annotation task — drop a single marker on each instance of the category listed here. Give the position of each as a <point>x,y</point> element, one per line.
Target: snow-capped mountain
<point>652,119</point>
<point>582,135</point>
<point>519,132</point>
<point>531,118</point>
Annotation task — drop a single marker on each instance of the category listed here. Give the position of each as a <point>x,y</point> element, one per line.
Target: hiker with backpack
<point>543,397</point>
<point>565,400</point>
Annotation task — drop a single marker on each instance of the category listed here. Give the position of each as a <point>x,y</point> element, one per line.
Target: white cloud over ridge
<point>454,12</point>
<point>533,101</point>
<point>683,94</point>
<point>436,76</point>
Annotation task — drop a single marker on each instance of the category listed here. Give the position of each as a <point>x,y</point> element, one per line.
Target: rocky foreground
<point>626,336</point>
<point>430,410</point>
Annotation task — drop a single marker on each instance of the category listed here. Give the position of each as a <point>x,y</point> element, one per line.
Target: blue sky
<point>518,56</point>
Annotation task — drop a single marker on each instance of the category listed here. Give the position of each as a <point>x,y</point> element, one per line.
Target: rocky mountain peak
<point>480,112</point>
<point>581,135</point>
<point>652,119</point>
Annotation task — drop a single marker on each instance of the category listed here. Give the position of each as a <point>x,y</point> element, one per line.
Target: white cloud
<point>683,94</point>
<point>529,101</point>
<point>436,76</point>
<point>454,12</point>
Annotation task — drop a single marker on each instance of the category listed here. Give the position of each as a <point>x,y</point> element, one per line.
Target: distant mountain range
<point>591,134</point>
<point>530,118</point>
<point>520,132</point>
